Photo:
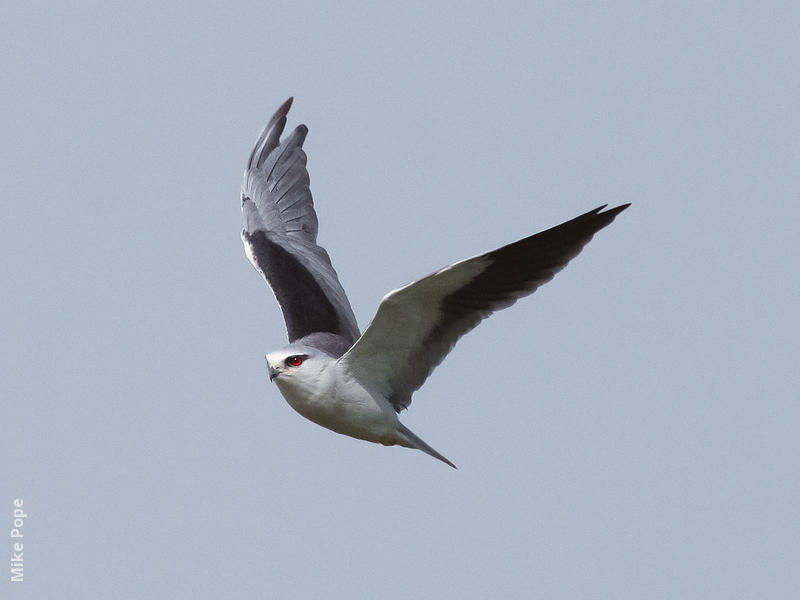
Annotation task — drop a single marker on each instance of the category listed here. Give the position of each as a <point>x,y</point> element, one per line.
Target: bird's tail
<point>414,441</point>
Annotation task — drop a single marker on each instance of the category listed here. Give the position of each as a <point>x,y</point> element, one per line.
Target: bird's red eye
<point>294,361</point>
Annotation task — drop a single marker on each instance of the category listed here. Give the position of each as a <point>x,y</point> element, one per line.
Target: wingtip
<point>617,209</point>
<point>601,211</point>
<point>613,212</point>
<point>273,128</point>
<point>280,113</point>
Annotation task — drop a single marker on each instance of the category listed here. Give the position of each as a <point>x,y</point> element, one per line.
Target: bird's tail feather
<point>414,441</point>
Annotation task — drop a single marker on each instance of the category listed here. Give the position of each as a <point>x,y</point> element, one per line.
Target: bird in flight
<point>356,383</point>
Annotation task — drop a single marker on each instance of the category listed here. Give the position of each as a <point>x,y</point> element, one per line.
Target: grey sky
<point>629,431</point>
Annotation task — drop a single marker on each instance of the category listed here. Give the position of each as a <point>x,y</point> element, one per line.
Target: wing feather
<point>280,235</point>
<point>416,326</point>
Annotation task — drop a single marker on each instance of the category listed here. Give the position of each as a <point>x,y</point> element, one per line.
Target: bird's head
<point>296,365</point>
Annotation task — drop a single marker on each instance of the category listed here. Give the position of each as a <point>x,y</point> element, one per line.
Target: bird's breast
<point>341,405</point>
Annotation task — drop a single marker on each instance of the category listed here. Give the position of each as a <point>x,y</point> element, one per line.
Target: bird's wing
<point>280,235</point>
<point>417,325</point>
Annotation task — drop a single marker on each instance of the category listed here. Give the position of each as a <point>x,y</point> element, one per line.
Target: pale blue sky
<point>630,431</point>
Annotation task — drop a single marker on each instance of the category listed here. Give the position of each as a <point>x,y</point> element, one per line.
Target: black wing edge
<point>520,267</point>
<point>306,309</point>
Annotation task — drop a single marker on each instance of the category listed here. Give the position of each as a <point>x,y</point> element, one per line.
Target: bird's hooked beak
<point>273,372</point>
